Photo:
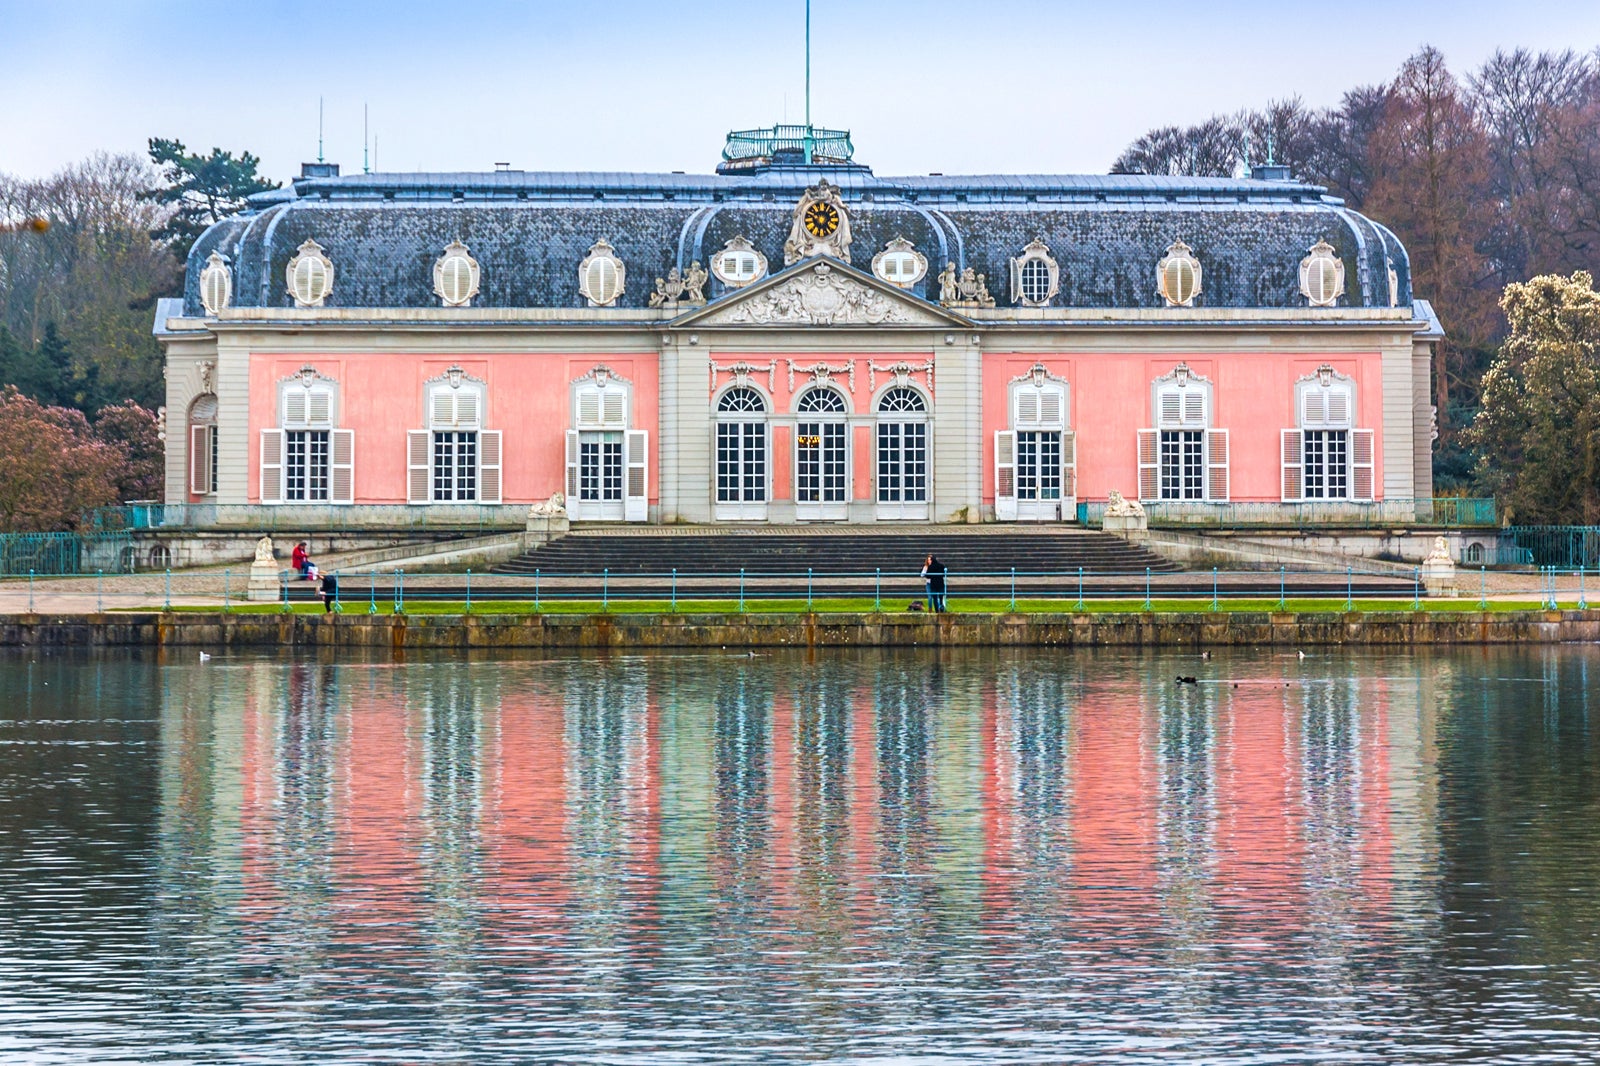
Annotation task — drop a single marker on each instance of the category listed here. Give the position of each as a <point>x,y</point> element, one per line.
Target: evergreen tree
<point>204,188</point>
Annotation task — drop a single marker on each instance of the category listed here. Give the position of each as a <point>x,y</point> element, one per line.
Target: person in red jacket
<point>300,559</point>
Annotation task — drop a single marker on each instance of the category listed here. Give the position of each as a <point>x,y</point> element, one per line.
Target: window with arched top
<point>309,275</point>
<point>1035,275</point>
<point>738,264</point>
<point>822,459</point>
<point>216,284</point>
<point>821,401</point>
<point>902,467</point>
<point>203,445</point>
<point>306,458</point>
<point>1326,456</point>
<point>742,448</point>
<point>1182,457</point>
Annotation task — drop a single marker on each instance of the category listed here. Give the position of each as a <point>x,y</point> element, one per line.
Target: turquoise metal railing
<point>52,554</point>
<point>1450,512</point>
<point>1562,546</point>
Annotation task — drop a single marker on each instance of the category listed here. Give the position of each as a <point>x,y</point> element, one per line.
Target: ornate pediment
<point>820,294</point>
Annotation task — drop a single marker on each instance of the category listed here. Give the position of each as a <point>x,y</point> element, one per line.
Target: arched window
<point>1035,275</point>
<point>1035,460</point>
<point>1326,457</point>
<point>203,445</point>
<point>742,448</point>
<point>307,459</point>
<point>902,454</point>
<point>1182,457</point>
<point>455,459</point>
<point>822,459</point>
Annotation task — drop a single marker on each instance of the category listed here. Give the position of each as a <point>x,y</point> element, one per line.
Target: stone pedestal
<point>542,529</point>
<point>1129,526</point>
<point>263,586</point>
<point>1439,570</point>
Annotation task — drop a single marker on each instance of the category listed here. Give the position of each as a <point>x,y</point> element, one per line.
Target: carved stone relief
<point>818,297</point>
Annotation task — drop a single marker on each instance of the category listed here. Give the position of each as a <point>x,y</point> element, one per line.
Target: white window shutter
<point>319,407</point>
<point>1171,413</point>
<point>272,466</point>
<point>1149,464</point>
<point>1194,407</point>
<point>1027,407</point>
<point>1338,407</point>
<point>467,413</point>
<point>419,445</point>
<point>614,408</point>
<point>1069,473</point>
<point>342,466</point>
<point>636,486</point>
<point>1217,465</point>
<point>1362,485</point>
<point>200,460</point>
<point>1050,413</point>
<point>588,407</point>
<point>1316,408</point>
<point>443,407</point>
<point>294,407</point>
<point>1016,280</point>
<point>572,470</point>
<point>489,490</point>
<point>1293,466</point>
<point>1005,475</point>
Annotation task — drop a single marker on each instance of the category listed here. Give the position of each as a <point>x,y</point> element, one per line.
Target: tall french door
<point>741,471</point>
<point>600,469</point>
<point>821,455</point>
<point>1038,475</point>
<point>902,456</point>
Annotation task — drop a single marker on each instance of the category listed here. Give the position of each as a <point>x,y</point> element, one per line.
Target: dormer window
<point>216,285</point>
<point>309,275</point>
<point>900,264</point>
<point>1322,276</point>
<point>455,276</point>
<point>601,275</point>
<point>1035,275</point>
<point>738,264</point>
<point>1178,275</point>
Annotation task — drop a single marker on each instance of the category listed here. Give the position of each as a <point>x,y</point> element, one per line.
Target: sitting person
<point>300,559</point>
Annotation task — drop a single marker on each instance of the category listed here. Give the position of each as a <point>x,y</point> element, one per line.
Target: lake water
<point>846,857</point>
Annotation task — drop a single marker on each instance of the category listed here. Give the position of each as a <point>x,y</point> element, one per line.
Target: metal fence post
<point>224,589</point>
<point>877,589</point>
<point>536,606</point>
<point>1079,605</point>
<point>1013,605</point>
<point>809,576</point>
<point>469,590</point>
<point>338,604</point>
<point>1583,598</point>
<point>283,581</point>
<point>372,591</point>
<point>399,593</point>
<point>1147,605</point>
<point>1416,588</point>
<point>1349,589</point>
<point>99,591</point>
<point>605,589</point>
<point>674,590</point>
<point>1283,589</point>
<point>1213,588</point>
<point>1483,588</point>
<point>741,590</point>
<point>30,590</point>
<point>167,606</point>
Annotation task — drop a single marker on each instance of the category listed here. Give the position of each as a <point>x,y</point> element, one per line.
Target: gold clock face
<point>821,220</point>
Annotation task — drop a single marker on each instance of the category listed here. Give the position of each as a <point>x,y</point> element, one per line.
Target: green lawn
<point>864,605</point>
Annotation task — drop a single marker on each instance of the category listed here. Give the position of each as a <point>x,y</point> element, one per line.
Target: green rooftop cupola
<point>797,145</point>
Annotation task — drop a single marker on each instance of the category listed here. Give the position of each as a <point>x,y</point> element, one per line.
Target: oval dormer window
<point>738,264</point>
<point>455,276</point>
<point>1322,276</point>
<point>601,275</point>
<point>900,264</point>
<point>216,284</point>
<point>1178,275</point>
<point>309,275</point>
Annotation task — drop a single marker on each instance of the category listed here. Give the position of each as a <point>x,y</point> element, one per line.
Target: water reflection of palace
<point>530,812</point>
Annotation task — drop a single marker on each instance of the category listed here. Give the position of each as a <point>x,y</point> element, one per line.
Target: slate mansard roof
<point>529,231</point>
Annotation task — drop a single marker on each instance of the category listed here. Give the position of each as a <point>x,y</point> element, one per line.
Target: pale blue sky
<point>959,86</point>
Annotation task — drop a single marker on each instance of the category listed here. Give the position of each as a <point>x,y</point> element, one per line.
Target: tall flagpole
<point>808,82</point>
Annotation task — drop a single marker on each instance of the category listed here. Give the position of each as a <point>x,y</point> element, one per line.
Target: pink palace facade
<point>790,342</point>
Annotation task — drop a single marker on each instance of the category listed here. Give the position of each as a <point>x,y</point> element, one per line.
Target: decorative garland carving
<point>902,372</point>
<point>820,372</point>
<point>741,372</point>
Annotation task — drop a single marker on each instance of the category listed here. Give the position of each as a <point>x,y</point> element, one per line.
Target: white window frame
<point>454,403</point>
<point>902,509</point>
<point>1036,403</point>
<point>1325,402</point>
<point>1036,252</point>
<point>203,445</point>
<point>308,402</point>
<point>602,404</point>
<point>823,510</point>
<point>741,510</point>
<point>1183,402</point>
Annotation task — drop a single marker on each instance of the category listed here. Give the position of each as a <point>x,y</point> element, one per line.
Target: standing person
<point>933,572</point>
<point>330,592</point>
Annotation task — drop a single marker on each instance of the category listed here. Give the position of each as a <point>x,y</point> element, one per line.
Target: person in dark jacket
<point>933,578</point>
<point>330,592</point>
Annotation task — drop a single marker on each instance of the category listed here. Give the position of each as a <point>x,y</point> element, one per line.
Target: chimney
<point>319,170</point>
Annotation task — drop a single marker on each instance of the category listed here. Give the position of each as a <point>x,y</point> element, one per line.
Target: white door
<point>1038,475</point>
<point>741,450</point>
<point>902,456</point>
<point>600,469</point>
<point>821,458</point>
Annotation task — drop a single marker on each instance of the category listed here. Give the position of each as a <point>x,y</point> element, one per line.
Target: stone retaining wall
<point>1189,629</point>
